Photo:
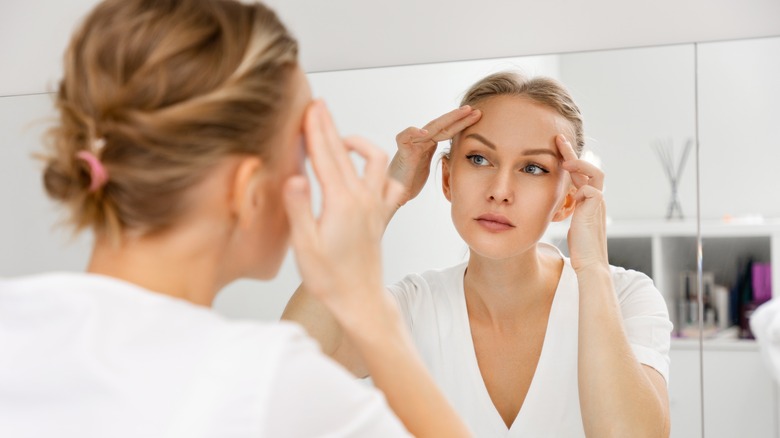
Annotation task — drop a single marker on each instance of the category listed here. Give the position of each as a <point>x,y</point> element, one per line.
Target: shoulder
<point>429,298</point>
<point>645,318</point>
<point>630,279</point>
<point>636,292</point>
<point>417,292</point>
<point>428,280</point>
<point>112,313</point>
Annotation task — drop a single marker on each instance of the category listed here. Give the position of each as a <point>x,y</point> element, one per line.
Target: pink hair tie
<point>97,172</point>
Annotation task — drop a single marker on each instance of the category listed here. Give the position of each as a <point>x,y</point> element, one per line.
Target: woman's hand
<point>587,236</point>
<point>338,254</point>
<point>412,163</point>
<point>638,402</point>
<point>339,259</point>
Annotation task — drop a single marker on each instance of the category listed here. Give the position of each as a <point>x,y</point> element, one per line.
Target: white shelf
<point>650,228</point>
<point>715,344</point>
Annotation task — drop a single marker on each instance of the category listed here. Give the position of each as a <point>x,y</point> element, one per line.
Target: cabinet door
<point>684,393</point>
<point>739,395</point>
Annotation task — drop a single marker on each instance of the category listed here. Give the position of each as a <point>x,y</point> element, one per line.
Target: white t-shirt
<point>434,307</point>
<point>86,356</point>
<point>765,325</point>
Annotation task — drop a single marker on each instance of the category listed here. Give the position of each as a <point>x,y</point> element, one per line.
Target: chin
<point>492,253</point>
<point>496,247</point>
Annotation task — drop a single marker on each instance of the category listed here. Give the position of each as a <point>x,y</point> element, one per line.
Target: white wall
<point>739,97</point>
<point>343,34</point>
<point>630,99</point>
<point>30,240</point>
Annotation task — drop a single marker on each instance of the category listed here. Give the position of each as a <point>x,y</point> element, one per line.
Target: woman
<point>181,137</point>
<point>524,341</point>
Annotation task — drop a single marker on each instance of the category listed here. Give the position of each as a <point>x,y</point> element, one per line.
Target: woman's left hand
<point>587,234</point>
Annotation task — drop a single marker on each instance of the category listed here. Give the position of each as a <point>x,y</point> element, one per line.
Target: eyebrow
<point>489,144</point>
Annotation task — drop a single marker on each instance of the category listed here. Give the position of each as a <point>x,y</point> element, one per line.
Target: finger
<point>322,160</point>
<point>297,204</point>
<point>565,148</point>
<point>568,154</point>
<point>458,126</point>
<point>411,135</point>
<point>587,193</point>
<point>582,167</point>
<point>336,146</point>
<point>442,127</point>
<point>332,144</point>
<point>376,161</point>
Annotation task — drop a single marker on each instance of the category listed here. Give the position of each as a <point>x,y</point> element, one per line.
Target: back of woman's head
<point>159,91</point>
<point>540,89</point>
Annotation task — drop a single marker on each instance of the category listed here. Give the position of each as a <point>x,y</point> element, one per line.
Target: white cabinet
<point>740,397</point>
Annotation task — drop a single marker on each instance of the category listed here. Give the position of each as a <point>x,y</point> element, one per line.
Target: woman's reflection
<point>524,341</point>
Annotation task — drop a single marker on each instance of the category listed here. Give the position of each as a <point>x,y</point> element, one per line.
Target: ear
<point>567,206</point>
<point>445,178</point>
<point>248,183</point>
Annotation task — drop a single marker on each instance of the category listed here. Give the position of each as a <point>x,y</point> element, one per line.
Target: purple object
<point>762,282</point>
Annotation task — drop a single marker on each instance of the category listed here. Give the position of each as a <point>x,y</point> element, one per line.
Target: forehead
<point>291,117</point>
<point>301,92</point>
<point>511,118</point>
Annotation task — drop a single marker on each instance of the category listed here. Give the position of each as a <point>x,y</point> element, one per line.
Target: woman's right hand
<point>338,253</point>
<point>339,259</point>
<point>412,163</point>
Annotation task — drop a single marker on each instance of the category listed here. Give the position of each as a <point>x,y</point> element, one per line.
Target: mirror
<point>738,113</point>
<point>633,101</point>
<point>636,103</point>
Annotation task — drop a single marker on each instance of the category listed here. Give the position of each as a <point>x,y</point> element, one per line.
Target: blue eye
<point>533,169</point>
<point>477,160</point>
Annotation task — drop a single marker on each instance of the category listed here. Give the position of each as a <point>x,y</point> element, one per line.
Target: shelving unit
<point>663,250</point>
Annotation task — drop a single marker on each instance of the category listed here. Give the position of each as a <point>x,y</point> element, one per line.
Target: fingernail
<point>423,131</point>
<point>466,107</point>
<point>563,138</point>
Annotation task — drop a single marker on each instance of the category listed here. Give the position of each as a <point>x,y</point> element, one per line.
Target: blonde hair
<point>168,87</point>
<point>540,89</point>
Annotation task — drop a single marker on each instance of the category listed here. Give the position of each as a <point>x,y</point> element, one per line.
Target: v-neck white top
<point>90,356</point>
<point>434,307</point>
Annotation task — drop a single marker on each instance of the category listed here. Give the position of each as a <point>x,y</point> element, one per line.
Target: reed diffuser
<point>673,169</point>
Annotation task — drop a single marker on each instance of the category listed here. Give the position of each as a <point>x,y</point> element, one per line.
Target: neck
<point>181,263</point>
<point>498,291</point>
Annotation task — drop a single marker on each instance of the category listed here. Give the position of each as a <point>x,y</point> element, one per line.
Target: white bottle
<point>721,294</point>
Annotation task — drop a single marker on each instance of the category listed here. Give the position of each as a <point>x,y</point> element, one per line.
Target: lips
<point>495,222</point>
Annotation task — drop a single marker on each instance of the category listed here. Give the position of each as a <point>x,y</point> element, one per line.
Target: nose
<point>500,189</point>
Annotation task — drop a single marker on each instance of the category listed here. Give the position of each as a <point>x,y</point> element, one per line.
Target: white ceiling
<point>346,34</point>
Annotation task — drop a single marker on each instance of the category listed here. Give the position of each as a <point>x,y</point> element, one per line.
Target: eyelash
<point>472,157</point>
<point>536,166</point>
